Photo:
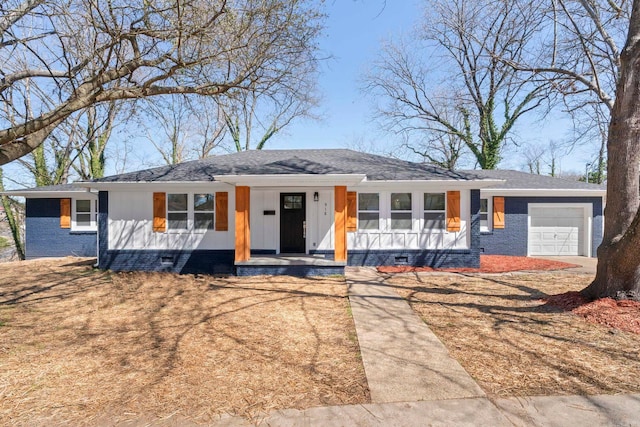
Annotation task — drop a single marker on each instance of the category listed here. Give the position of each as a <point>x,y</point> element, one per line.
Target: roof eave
<point>464,184</point>
<point>557,192</point>
<point>295,180</point>
<point>62,194</point>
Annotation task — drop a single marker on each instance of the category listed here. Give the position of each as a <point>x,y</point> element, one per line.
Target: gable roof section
<point>292,162</point>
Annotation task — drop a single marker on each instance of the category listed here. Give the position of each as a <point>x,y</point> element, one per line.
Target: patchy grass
<point>514,344</point>
<point>79,346</point>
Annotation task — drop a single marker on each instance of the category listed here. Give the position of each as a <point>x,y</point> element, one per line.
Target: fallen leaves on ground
<point>514,344</point>
<point>80,346</point>
<point>489,264</point>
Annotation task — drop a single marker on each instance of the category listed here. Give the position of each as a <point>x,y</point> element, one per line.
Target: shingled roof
<point>60,190</point>
<point>291,162</point>
<point>527,181</point>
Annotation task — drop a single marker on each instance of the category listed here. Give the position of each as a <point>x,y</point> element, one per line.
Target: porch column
<point>243,235</point>
<point>340,192</point>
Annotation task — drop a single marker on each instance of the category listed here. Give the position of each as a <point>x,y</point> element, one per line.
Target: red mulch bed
<point>619,314</point>
<point>490,264</point>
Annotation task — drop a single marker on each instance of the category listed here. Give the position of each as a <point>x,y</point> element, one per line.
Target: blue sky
<point>354,31</point>
<point>353,34</point>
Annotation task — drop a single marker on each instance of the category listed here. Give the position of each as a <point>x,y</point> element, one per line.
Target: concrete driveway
<point>586,265</point>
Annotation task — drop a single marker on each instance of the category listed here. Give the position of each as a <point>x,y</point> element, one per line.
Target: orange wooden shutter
<point>159,212</point>
<point>453,211</point>
<point>352,211</point>
<point>65,213</point>
<point>498,212</point>
<point>222,211</point>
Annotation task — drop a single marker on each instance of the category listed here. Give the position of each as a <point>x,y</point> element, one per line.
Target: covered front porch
<point>271,238</point>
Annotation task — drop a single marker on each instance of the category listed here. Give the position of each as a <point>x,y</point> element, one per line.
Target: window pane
<point>434,221</point>
<point>83,205</point>
<point>484,221</point>
<point>293,202</point>
<point>368,221</point>
<point>484,205</point>
<point>203,221</point>
<point>177,221</point>
<point>368,201</point>
<point>401,221</point>
<point>203,202</point>
<point>434,201</point>
<point>401,201</point>
<point>177,202</point>
<point>83,219</point>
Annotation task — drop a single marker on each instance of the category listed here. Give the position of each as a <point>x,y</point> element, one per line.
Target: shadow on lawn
<point>234,345</point>
<point>503,333</point>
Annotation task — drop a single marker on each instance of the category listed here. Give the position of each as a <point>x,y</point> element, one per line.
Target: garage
<point>558,230</point>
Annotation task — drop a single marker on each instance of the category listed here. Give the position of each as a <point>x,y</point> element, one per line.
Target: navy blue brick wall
<point>414,257</point>
<point>45,238</point>
<point>290,270</point>
<point>512,240</point>
<point>185,262</point>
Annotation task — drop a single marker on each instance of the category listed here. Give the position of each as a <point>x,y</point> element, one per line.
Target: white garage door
<point>556,231</point>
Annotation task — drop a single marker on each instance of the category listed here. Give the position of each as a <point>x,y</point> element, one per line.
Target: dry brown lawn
<point>515,345</point>
<point>78,345</point>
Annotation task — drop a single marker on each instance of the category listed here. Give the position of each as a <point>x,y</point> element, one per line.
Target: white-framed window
<point>485,217</point>
<point>368,211</point>
<point>190,211</point>
<point>401,211</point>
<point>203,211</point>
<point>177,211</point>
<point>85,215</point>
<point>435,217</point>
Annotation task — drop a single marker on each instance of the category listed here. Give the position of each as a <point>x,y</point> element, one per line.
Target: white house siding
<point>131,221</point>
<point>417,238</point>
<point>264,227</point>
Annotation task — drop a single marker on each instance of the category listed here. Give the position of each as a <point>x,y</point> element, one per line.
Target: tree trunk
<point>13,220</point>
<point>618,273</point>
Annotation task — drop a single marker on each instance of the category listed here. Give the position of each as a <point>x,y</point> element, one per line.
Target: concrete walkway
<point>403,360</point>
<point>544,411</point>
<point>414,381</point>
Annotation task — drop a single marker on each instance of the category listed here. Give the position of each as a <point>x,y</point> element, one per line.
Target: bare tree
<point>254,116</point>
<point>14,213</point>
<point>91,148</point>
<point>533,155</point>
<point>618,272</point>
<point>577,51</point>
<point>467,37</point>
<point>182,128</point>
<point>545,159</point>
<point>443,149</point>
<point>87,52</point>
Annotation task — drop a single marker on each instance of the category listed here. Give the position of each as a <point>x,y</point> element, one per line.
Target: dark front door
<point>292,223</point>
